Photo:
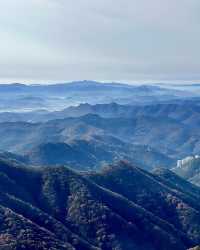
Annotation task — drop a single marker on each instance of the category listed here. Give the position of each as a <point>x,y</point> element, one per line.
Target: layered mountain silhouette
<point>121,207</point>
<point>186,110</point>
<point>73,161</point>
<point>55,97</point>
<point>170,130</point>
<point>59,96</point>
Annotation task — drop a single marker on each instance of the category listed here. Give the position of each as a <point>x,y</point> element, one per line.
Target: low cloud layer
<point>124,40</point>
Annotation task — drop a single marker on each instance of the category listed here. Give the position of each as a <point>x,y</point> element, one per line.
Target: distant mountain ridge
<point>76,85</point>
<point>59,96</point>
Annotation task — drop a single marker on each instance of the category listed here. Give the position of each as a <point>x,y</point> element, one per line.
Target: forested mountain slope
<point>57,208</point>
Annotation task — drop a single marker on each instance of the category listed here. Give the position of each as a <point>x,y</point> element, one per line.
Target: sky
<point>123,40</point>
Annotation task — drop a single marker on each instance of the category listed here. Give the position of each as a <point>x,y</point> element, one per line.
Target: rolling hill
<point>172,129</point>
<point>99,140</point>
<point>58,208</point>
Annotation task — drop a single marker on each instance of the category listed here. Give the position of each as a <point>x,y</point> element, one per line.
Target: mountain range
<point>162,132</point>
<point>104,139</point>
<point>99,166</point>
<point>119,207</point>
<point>59,96</point>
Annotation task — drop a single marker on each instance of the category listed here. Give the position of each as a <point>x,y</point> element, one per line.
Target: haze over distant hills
<point>59,96</point>
<point>97,131</point>
<point>162,133</point>
<point>111,163</point>
<point>93,166</point>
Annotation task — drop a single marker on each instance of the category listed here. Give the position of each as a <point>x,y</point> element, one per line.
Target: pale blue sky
<point>122,40</point>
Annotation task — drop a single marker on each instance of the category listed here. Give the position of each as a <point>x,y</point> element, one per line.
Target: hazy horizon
<point>177,82</point>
